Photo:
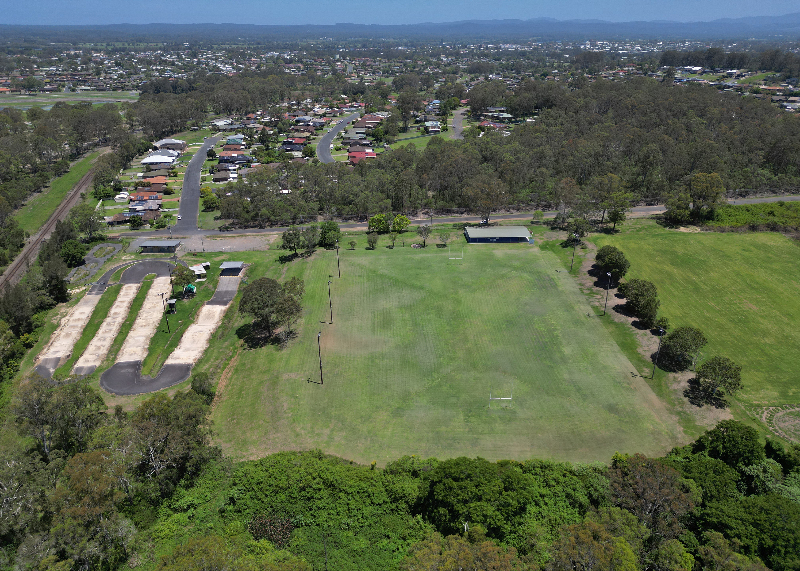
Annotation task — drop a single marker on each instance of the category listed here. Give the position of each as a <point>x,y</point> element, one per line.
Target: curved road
<point>324,146</point>
<point>190,195</point>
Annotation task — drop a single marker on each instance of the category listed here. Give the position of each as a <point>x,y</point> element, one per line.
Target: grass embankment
<point>38,209</point>
<point>95,321</point>
<point>765,216</point>
<point>166,338</point>
<point>417,344</point>
<point>741,290</point>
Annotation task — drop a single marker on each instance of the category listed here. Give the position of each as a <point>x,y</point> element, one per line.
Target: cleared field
<point>417,344</point>
<point>741,290</point>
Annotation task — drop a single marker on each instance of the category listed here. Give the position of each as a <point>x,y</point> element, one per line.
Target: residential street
<point>324,146</point>
<point>190,195</point>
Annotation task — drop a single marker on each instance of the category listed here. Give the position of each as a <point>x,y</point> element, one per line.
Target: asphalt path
<point>324,146</point>
<point>190,195</point>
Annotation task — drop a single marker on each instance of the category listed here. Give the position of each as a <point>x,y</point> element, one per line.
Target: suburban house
<point>503,234</point>
<point>171,144</point>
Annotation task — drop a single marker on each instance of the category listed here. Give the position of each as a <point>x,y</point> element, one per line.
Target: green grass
<point>206,220</point>
<point>92,327</point>
<point>417,344</point>
<point>165,340</point>
<point>38,209</point>
<point>741,290</point>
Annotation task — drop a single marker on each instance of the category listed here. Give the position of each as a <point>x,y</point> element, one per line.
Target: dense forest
<point>83,488</point>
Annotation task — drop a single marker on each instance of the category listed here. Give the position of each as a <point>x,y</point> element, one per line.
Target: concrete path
<point>63,341</point>
<point>101,343</point>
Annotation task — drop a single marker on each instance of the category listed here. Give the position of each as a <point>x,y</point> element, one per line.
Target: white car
<point>179,216</point>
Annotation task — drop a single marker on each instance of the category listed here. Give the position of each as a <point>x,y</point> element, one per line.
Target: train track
<point>25,258</point>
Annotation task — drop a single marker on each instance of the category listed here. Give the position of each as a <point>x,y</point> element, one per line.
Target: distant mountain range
<point>770,28</point>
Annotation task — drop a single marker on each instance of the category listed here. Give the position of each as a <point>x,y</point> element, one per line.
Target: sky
<point>60,12</point>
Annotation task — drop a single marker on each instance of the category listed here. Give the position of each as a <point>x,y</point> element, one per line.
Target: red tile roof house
<point>232,147</point>
<point>356,157</point>
<point>143,196</point>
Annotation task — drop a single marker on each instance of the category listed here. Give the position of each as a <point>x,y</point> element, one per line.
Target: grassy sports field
<point>417,343</point>
<point>741,290</point>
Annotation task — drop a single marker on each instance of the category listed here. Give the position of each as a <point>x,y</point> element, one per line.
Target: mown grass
<point>38,209</point>
<point>417,344</point>
<point>166,339</point>
<point>740,289</point>
<point>92,327</point>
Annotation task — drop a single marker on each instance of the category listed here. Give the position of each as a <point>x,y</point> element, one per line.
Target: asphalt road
<point>324,146</point>
<point>458,124</point>
<point>190,195</point>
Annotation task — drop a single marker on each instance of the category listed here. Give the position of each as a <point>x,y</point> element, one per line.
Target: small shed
<point>231,268</point>
<point>160,246</point>
<point>199,271</point>
<point>501,234</point>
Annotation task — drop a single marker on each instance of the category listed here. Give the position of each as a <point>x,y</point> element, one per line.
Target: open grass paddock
<point>417,343</point>
<point>741,290</point>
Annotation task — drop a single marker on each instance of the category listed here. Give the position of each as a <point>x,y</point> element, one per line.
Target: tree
<point>651,491</point>
<point>444,237</point>
<point>578,228</point>
<point>266,300</point>
<point>310,237</point>
<point>642,300</point>
<point>408,102</point>
<point>86,219</point>
<point>454,553</point>
<point>210,203</point>
<point>400,223</point>
<point>203,386</point>
<point>707,192</point>
<point>681,348</point>
<point>211,153</point>
<point>372,240</point>
<point>734,443</point>
<point>423,232</point>
<point>379,223</point>
<point>610,259</point>
<point>181,277</point>
<point>720,373</point>
<point>587,546</point>
<point>292,239</point>
<point>329,234</point>
<point>352,244</point>
<point>135,222</point>
<point>393,238</point>
<point>485,193</point>
<point>678,208</point>
<point>617,205</point>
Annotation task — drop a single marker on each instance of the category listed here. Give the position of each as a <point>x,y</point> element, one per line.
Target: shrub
<point>372,240</point>
<point>276,530</point>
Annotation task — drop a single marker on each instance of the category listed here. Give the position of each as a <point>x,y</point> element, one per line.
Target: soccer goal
<point>454,257</point>
<point>503,400</point>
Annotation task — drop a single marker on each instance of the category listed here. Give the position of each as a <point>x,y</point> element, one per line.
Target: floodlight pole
<point>330,301</point>
<point>608,283</point>
<point>338,267</point>
<point>661,330</point>
<point>319,351</point>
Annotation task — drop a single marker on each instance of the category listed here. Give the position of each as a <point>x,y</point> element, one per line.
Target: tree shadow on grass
<point>254,338</point>
<point>700,397</point>
<point>286,258</point>
<point>622,309</point>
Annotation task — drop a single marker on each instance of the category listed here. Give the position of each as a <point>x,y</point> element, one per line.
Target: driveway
<point>190,195</point>
<point>458,124</point>
<point>324,146</point>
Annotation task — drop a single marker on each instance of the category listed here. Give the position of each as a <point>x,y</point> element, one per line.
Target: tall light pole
<point>574,246</point>
<point>660,337</point>
<point>330,301</point>
<point>319,351</point>
<point>608,283</point>
<point>338,267</point>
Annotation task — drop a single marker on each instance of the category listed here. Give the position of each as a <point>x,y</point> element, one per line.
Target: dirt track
<point>138,340</point>
<point>67,334</point>
<point>101,343</point>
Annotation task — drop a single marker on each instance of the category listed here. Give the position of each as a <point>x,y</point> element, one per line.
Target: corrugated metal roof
<point>160,244</point>
<point>231,265</point>
<point>498,232</point>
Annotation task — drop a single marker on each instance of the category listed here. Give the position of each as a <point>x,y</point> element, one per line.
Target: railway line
<point>22,262</point>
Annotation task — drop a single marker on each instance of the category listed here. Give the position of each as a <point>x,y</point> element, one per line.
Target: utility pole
<point>574,246</point>
<point>319,351</point>
<point>608,283</point>
<point>330,300</point>
<point>338,267</point>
